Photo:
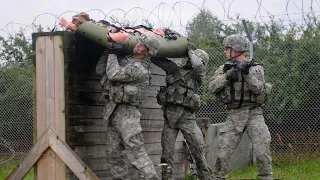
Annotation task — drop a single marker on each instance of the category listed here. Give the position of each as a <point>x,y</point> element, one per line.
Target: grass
<point>6,169</point>
<point>287,168</point>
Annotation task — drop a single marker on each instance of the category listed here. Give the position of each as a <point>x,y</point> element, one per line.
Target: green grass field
<point>5,170</point>
<point>286,168</point>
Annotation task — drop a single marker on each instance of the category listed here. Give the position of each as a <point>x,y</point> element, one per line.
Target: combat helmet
<point>151,42</point>
<point>237,42</point>
<point>202,55</point>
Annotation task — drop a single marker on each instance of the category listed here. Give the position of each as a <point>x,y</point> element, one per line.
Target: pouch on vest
<point>187,98</point>
<point>263,97</point>
<point>162,95</point>
<point>237,93</point>
<point>224,96</point>
<point>170,92</point>
<point>195,101</point>
<point>116,93</point>
<point>130,94</point>
<point>179,95</point>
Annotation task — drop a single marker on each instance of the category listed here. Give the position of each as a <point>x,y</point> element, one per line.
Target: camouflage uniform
<point>125,82</point>
<point>248,118</point>
<point>179,101</point>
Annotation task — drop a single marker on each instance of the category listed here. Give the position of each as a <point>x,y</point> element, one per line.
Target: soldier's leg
<point>115,155</point>
<point>168,139</point>
<point>192,133</point>
<point>127,120</point>
<point>172,114</point>
<point>228,140</point>
<point>260,136</point>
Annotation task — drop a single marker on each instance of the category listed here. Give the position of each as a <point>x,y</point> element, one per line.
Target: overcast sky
<point>16,12</point>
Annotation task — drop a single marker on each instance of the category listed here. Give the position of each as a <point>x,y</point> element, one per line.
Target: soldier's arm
<point>218,81</point>
<point>198,67</point>
<point>102,63</point>
<point>255,79</point>
<point>197,64</point>
<point>168,66</point>
<point>129,73</point>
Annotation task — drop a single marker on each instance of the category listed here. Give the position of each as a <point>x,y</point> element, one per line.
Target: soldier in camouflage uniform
<point>246,118</point>
<point>125,81</point>
<point>180,100</point>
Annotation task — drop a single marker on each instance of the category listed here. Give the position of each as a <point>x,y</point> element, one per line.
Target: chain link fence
<point>292,113</point>
<point>16,115</point>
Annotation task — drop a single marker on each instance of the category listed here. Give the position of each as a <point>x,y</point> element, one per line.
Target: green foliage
<point>6,169</point>
<point>188,177</point>
<point>16,49</point>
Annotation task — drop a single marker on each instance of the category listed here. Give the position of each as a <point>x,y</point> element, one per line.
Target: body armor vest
<point>182,89</point>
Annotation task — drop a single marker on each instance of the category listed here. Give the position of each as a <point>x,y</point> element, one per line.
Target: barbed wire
<point>261,15</point>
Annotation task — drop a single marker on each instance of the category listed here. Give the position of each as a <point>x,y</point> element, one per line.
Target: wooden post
<point>49,66</point>
<point>50,151</point>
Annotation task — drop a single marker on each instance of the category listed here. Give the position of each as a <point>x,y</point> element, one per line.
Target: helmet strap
<point>233,57</point>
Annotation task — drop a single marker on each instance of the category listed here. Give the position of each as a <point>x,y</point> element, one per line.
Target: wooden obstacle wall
<point>84,105</point>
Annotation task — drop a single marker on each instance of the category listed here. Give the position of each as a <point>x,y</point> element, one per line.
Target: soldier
<point>243,101</point>
<point>180,100</point>
<point>125,81</point>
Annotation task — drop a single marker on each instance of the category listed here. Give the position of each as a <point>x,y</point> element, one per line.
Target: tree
<point>204,30</point>
<point>16,49</point>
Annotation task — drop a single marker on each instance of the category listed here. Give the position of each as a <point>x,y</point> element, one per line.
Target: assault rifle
<point>192,165</point>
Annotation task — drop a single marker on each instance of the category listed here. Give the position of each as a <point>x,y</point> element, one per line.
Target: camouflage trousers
<point>125,141</point>
<point>229,138</point>
<point>177,118</point>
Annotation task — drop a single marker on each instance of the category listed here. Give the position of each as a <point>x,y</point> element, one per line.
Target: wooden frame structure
<point>50,153</point>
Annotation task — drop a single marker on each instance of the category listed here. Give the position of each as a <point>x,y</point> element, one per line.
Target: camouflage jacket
<point>125,80</point>
<point>254,86</point>
<point>183,83</point>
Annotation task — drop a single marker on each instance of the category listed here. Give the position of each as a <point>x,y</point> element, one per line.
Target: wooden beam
<point>32,157</point>
<point>70,158</point>
<point>50,140</point>
<point>50,100</point>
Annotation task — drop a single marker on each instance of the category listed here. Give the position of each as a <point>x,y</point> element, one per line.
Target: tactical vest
<point>130,93</point>
<point>248,98</point>
<point>182,89</point>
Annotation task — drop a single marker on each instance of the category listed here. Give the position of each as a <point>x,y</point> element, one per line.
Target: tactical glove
<point>232,75</point>
<point>191,47</point>
<point>245,66</point>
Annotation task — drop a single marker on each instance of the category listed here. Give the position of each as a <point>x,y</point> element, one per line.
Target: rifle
<point>192,165</point>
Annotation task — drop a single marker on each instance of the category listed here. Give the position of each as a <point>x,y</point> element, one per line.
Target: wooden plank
<point>70,158</point>
<point>50,100</point>
<point>99,151</point>
<point>59,101</point>
<point>85,139</point>
<point>158,80</point>
<point>42,47</point>
<point>157,70</point>
<point>32,157</point>
<point>94,125</point>
<point>95,112</point>
<point>97,98</point>
<point>92,84</point>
